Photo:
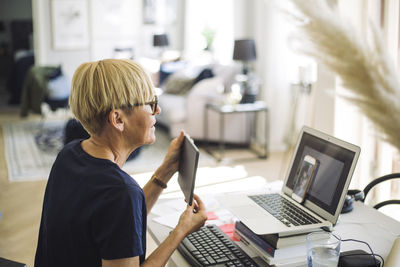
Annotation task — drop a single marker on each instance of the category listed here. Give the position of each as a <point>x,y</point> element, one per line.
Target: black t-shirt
<point>92,210</point>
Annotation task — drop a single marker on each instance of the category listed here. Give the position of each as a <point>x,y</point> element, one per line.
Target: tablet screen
<point>188,168</point>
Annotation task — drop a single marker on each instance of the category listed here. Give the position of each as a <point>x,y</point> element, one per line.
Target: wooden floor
<point>20,206</point>
<point>21,202</point>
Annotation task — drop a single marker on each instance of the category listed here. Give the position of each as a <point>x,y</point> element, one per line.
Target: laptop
<point>323,199</point>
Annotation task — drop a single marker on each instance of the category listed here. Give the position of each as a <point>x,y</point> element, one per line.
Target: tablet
<point>189,159</point>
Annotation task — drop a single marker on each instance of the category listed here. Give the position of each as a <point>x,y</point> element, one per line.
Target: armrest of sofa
<point>186,111</point>
<point>173,109</point>
<point>207,90</point>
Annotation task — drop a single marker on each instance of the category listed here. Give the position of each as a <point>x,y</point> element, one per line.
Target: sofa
<point>183,102</point>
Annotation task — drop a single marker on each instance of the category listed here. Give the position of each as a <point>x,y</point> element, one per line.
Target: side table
<point>256,108</point>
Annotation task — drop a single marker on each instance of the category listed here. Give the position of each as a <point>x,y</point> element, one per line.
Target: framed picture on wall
<point>70,25</point>
<point>149,11</point>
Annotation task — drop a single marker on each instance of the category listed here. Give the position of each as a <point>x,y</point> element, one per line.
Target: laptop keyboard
<point>285,211</point>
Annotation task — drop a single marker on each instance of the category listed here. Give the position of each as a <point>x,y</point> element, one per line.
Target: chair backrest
<point>379,180</point>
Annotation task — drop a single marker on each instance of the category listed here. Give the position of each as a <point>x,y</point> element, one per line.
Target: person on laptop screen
<point>94,213</point>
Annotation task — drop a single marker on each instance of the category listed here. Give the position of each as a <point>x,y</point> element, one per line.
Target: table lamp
<point>245,51</point>
<point>160,40</point>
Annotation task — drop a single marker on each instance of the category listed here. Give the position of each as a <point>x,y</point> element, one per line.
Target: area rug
<point>32,146</point>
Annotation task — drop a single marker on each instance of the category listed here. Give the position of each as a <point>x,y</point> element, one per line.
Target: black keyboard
<point>284,210</point>
<point>209,246</point>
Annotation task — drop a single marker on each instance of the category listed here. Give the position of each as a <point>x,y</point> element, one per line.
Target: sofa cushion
<point>168,68</point>
<point>178,84</point>
<point>204,74</point>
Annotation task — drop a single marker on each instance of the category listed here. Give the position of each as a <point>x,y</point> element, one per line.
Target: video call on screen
<point>327,176</point>
<point>334,165</point>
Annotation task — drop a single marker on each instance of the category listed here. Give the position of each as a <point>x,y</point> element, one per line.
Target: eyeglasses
<point>153,104</point>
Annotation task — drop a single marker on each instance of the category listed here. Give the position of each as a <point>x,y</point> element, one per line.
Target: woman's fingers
<point>181,135</point>
<point>199,202</point>
<point>177,142</point>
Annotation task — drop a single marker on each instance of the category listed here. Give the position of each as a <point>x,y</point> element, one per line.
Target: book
<point>244,232</point>
<point>282,257</point>
<point>275,240</point>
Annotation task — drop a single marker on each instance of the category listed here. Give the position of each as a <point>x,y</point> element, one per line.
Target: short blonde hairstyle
<point>101,86</point>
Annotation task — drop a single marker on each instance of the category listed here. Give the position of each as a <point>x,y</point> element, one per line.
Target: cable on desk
<point>374,255</point>
<point>372,252</point>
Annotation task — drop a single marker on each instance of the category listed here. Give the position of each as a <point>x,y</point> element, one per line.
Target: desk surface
<point>363,223</point>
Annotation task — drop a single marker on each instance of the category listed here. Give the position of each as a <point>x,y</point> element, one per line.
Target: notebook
<point>323,199</point>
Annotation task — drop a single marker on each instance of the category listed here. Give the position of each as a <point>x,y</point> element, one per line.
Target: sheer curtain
<point>377,157</point>
<point>331,112</point>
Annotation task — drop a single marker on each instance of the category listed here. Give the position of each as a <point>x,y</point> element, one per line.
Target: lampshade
<point>244,50</point>
<point>160,40</point>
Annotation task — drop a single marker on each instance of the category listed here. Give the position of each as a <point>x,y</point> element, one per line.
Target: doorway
<point>16,48</point>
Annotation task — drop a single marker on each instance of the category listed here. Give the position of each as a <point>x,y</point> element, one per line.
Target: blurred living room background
<point>199,53</point>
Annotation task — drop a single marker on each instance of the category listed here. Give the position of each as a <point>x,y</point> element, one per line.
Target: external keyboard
<point>209,246</point>
<point>284,210</point>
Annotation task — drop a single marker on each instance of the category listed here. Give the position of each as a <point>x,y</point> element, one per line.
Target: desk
<point>223,110</point>
<point>363,223</point>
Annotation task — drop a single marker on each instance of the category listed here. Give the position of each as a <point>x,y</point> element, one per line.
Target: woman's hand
<point>164,173</point>
<point>193,217</point>
<point>171,159</point>
<point>191,220</point>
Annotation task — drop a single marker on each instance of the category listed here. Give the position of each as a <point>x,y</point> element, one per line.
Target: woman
<point>94,214</point>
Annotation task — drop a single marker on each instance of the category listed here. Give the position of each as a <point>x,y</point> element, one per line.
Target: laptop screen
<point>333,166</point>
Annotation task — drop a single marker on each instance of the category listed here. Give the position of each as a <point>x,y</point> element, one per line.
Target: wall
<point>44,52</point>
<point>171,21</point>
<point>242,22</point>
<point>219,17</point>
<point>276,64</point>
<point>112,23</point>
<point>323,112</point>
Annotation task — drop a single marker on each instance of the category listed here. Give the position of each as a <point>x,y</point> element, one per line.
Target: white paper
<point>169,207</point>
<point>176,204</point>
<point>170,220</point>
<point>162,209</point>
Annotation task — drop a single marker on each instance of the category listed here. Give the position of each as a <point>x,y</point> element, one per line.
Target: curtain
<point>377,157</point>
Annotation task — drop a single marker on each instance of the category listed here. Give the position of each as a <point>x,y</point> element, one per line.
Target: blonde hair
<point>101,86</point>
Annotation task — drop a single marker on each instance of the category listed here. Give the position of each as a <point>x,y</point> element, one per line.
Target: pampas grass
<point>362,65</point>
